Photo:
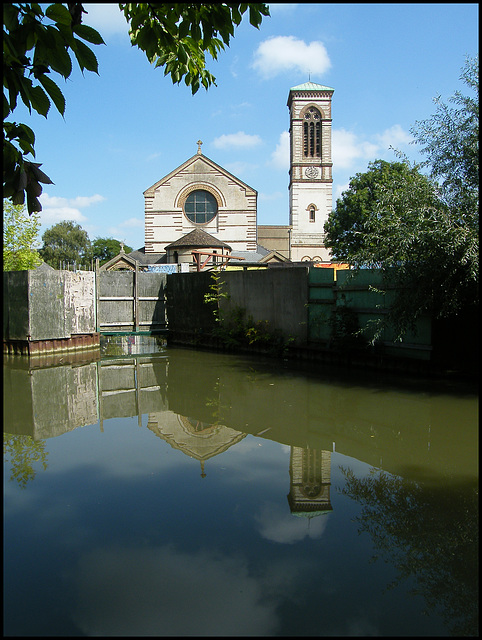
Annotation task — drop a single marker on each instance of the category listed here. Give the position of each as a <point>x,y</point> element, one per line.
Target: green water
<point>195,493</point>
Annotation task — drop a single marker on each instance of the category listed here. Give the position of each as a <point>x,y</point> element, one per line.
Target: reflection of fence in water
<point>58,399</point>
<point>131,387</point>
<point>131,344</point>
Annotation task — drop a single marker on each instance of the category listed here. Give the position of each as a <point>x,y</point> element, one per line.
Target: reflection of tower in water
<point>310,480</point>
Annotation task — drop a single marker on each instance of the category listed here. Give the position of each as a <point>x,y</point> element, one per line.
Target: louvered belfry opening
<point>312,133</point>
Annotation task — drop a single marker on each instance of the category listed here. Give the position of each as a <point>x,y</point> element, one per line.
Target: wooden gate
<point>130,301</point>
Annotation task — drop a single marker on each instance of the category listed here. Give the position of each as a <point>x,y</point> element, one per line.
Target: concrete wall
<point>58,305</point>
<point>187,312</point>
<point>43,305</point>
<point>277,296</point>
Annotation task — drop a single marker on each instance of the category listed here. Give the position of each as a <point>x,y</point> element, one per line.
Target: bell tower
<point>310,169</point>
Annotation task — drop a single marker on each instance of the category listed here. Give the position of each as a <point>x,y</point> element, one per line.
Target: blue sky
<point>128,127</point>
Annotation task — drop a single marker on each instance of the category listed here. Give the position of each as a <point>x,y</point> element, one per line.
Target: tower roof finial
<point>199,143</point>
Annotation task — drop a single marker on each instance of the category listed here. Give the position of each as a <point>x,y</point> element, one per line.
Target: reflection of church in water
<point>310,469</point>
<point>196,439</point>
<point>61,397</point>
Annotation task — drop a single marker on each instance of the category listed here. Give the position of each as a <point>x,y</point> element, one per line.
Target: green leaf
<point>88,33</point>
<point>184,28</point>
<point>85,57</point>
<point>39,175</point>
<point>59,13</point>
<point>39,100</point>
<point>22,133</point>
<point>10,16</point>
<point>58,57</point>
<point>54,92</point>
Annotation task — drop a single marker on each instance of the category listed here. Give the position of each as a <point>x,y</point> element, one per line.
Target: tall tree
<point>344,228</point>
<point>65,242</point>
<point>450,142</point>
<point>420,230</point>
<point>39,40</point>
<point>107,248</point>
<point>19,237</point>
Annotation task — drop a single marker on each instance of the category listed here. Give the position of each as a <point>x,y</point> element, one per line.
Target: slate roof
<point>147,258</point>
<point>248,256</point>
<point>198,238</point>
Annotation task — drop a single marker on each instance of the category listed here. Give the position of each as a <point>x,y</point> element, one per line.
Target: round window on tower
<point>200,207</point>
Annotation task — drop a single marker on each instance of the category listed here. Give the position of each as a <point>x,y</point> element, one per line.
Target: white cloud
<point>287,53</point>
<point>280,157</point>
<point>277,525</point>
<point>85,201</point>
<point>79,201</point>
<point>132,222</point>
<point>107,19</point>
<point>154,156</point>
<point>56,209</point>
<point>282,7</point>
<point>348,147</point>
<point>239,139</point>
<point>58,214</point>
<point>162,591</point>
<point>240,169</point>
<point>339,188</point>
<point>393,137</point>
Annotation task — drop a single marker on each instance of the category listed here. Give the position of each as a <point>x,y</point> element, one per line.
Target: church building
<point>201,214</point>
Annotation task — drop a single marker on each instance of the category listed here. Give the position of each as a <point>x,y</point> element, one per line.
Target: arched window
<point>200,207</point>
<point>312,133</point>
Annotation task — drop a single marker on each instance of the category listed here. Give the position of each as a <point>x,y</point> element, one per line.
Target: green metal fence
<point>338,309</point>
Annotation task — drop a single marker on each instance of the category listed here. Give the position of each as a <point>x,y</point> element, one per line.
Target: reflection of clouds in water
<point>161,591</point>
<point>279,525</point>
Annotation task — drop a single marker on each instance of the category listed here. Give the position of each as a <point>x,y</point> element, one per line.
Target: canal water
<point>195,493</point>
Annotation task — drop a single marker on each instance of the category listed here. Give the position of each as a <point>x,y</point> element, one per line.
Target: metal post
<point>97,294</point>
<point>136,298</point>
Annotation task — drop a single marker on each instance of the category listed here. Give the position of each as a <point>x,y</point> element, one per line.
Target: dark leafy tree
<point>107,248</point>
<point>450,142</point>
<point>65,242</point>
<point>39,40</point>
<point>345,227</point>
<point>421,231</point>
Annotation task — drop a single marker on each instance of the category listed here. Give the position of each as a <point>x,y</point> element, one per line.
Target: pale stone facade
<point>310,481</point>
<point>310,169</point>
<point>165,215</point>
<point>230,214</point>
